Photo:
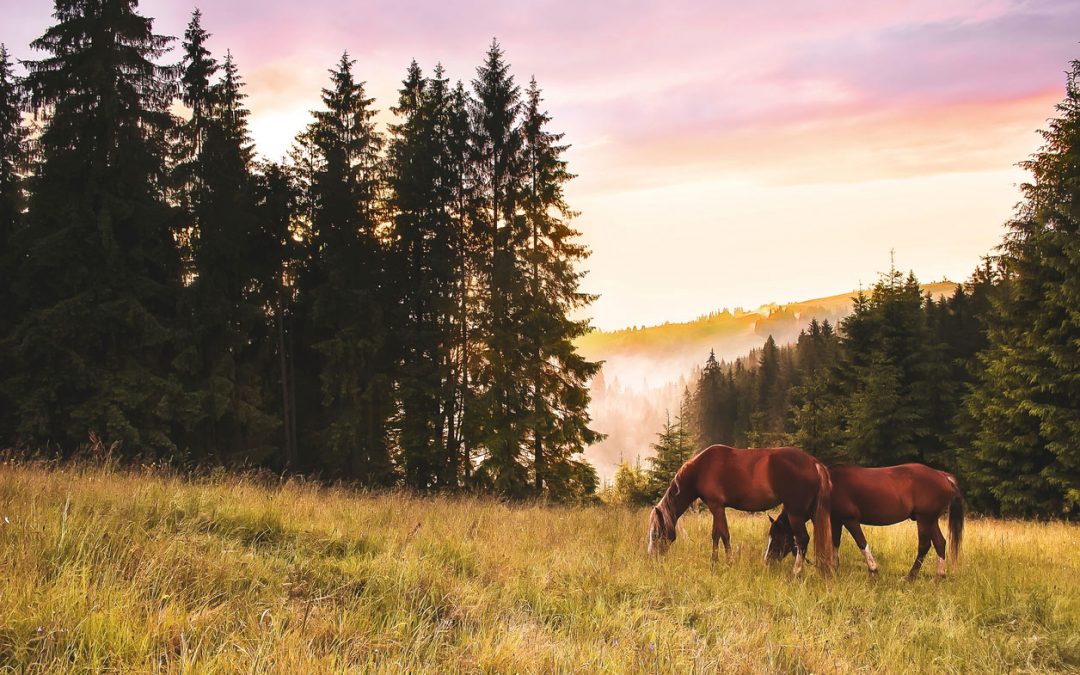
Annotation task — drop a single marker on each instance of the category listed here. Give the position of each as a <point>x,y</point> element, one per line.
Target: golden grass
<point>131,572</point>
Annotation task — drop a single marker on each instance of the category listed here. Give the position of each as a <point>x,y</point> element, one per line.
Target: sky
<point>729,154</point>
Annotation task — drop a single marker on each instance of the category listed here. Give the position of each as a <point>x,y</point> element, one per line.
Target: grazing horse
<point>749,480</point>
<point>886,496</point>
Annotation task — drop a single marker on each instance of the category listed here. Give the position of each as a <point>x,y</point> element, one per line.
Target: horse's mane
<point>679,480</point>
<point>674,484</point>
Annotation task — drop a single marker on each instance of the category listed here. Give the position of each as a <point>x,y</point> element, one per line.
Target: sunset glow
<point>728,155</point>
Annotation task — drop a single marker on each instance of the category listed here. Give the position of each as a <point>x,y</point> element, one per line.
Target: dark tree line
<point>904,378</point>
<point>385,307</point>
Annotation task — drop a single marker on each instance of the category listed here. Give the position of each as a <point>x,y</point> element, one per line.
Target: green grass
<point>142,572</point>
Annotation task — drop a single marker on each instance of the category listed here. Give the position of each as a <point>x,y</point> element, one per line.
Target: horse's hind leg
<point>926,526</point>
<point>939,547</point>
<point>837,533</point>
<point>855,529</point>
<point>720,532</point>
<point>802,541</point>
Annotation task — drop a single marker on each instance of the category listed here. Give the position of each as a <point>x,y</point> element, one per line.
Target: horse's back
<point>754,479</point>
<point>887,495</point>
<point>770,476</point>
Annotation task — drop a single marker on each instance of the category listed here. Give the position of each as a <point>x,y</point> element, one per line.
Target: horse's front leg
<point>719,532</point>
<point>837,533</point>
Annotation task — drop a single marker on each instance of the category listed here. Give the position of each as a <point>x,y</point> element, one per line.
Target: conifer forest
<point>386,307</point>
<point>398,305</point>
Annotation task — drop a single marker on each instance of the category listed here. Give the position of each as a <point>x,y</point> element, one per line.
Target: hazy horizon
<point>727,155</point>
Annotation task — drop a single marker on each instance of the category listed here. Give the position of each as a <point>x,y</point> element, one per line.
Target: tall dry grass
<point>103,570</point>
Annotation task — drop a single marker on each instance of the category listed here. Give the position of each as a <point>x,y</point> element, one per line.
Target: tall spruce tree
<point>278,254</point>
<point>349,328</point>
<point>460,404</point>
<point>815,399</point>
<point>558,420</point>
<point>14,153</point>
<point>1026,402</point>
<point>770,407</point>
<point>421,179</point>
<point>197,70</point>
<point>501,377</point>
<point>275,254</point>
<point>533,396</point>
<point>889,375</point>
<point>14,158</point>
<point>228,323</point>
<point>712,406</point>
<point>99,274</point>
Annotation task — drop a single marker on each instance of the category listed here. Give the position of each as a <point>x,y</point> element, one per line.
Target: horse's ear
<point>770,518</point>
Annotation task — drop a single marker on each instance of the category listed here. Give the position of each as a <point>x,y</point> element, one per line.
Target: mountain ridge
<point>782,317</point>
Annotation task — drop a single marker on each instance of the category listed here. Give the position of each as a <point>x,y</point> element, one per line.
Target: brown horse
<point>749,480</point>
<point>886,496</point>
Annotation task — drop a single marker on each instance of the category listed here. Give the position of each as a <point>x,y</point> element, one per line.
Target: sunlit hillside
<point>645,368</point>
<point>145,572</point>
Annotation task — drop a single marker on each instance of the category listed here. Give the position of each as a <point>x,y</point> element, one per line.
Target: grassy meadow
<point>105,570</point>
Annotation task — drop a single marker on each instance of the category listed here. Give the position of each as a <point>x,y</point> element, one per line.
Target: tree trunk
<point>290,449</point>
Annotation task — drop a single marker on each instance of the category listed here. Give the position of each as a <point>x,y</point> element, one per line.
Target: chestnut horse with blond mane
<point>885,496</point>
<point>750,480</point>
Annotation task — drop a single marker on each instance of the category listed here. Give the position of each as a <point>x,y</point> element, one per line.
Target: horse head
<point>661,529</point>
<point>781,539</point>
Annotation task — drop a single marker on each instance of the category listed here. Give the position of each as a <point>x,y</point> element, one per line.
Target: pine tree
<point>673,447</point>
<point>889,375</point>
<point>100,272</point>
<point>1026,402</point>
<point>14,158</point>
<point>348,324</point>
<point>502,404</point>
<point>276,196</point>
<point>197,70</point>
<point>14,153</point>
<point>713,407</point>
<point>303,273</point>
<point>558,419</point>
<point>460,404</point>
<point>816,408</point>
<point>770,404</point>
<point>228,323</point>
<point>422,176</point>
<point>742,383</point>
